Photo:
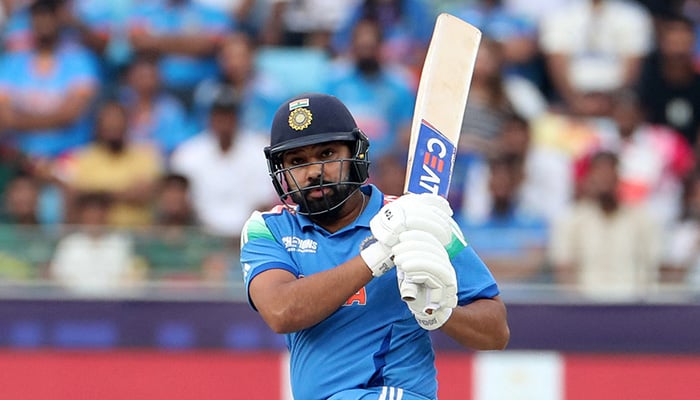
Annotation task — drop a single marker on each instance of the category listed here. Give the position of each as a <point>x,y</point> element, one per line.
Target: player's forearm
<point>304,302</point>
<point>481,325</point>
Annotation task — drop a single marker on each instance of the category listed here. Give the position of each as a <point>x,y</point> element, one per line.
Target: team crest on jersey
<point>299,245</point>
<point>300,118</point>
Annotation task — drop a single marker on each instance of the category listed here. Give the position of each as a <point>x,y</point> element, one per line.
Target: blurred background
<point>131,136</point>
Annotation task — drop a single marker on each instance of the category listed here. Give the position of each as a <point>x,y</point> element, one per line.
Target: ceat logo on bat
<point>431,169</point>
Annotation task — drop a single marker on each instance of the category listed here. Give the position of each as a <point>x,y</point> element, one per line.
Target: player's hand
<point>424,267</point>
<point>426,212</point>
<point>377,256</point>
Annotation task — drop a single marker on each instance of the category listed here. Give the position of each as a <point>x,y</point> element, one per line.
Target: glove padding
<point>424,268</point>
<point>377,257</point>
<point>426,212</point>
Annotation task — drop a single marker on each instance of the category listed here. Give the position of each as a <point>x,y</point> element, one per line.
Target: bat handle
<point>409,291</point>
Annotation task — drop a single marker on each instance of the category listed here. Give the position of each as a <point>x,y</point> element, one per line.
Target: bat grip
<point>409,291</point>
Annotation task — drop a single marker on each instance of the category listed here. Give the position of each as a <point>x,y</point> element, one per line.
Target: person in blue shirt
<point>185,33</point>
<point>262,91</point>
<point>407,26</point>
<point>331,266</point>
<point>155,116</point>
<point>379,94</point>
<point>46,92</point>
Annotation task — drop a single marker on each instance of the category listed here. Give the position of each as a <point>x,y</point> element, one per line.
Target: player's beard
<point>327,207</point>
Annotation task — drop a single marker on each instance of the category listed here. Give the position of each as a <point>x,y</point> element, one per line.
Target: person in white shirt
<point>225,168</point>
<point>595,46</point>
<point>95,260</point>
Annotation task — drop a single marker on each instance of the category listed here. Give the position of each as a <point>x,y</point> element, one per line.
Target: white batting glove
<point>424,267</point>
<point>377,257</point>
<point>426,212</point>
<point>430,319</point>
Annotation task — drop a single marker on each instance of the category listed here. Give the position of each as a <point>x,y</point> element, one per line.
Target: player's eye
<point>327,153</point>
<point>295,161</point>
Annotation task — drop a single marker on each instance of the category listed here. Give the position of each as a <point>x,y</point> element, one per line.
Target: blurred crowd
<point>131,132</point>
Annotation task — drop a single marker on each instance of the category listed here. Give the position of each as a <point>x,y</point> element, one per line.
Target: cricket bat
<point>440,102</point>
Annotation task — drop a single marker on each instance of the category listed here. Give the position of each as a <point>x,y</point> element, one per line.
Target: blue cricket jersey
<point>373,340</point>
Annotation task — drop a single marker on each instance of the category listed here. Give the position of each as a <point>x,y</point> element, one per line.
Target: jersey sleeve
<point>474,280</point>
<point>260,251</point>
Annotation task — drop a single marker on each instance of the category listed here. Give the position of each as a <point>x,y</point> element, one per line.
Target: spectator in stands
<point>606,249</point>
<point>224,168</point>
<point>25,249</point>
<point>155,116</point>
<point>262,92</point>
<point>519,253</point>
<point>21,201</point>
<point>186,34</point>
<point>174,248</point>
<point>95,260</point>
<point>407,26</point>
<point>45,93</point>
<point>82,23</point>
<point>12,163</point>
<point>378,94</point>
<point>303,23</point>
<point>546,170</point>
<point>593,47</point>
<point>173,206</point>
<point>516,33</point>
<point>670,85</point>
<point>127,171</point>
<point>489,104</point>
<point>681,262</point>
<point>654,159</point>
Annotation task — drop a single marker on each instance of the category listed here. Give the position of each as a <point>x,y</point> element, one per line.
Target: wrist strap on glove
<point>377,257</point>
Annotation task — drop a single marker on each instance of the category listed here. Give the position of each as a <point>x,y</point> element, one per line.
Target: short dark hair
<point>175,179</point>
<point>675,17</point>
<point>226,100</point>
<point>42,6</point>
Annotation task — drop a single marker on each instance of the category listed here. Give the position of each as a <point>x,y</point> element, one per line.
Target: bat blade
<point>437,119</point>
<point>440,102</point>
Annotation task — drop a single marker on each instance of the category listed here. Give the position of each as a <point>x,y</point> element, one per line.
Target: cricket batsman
<point>327,268</point>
